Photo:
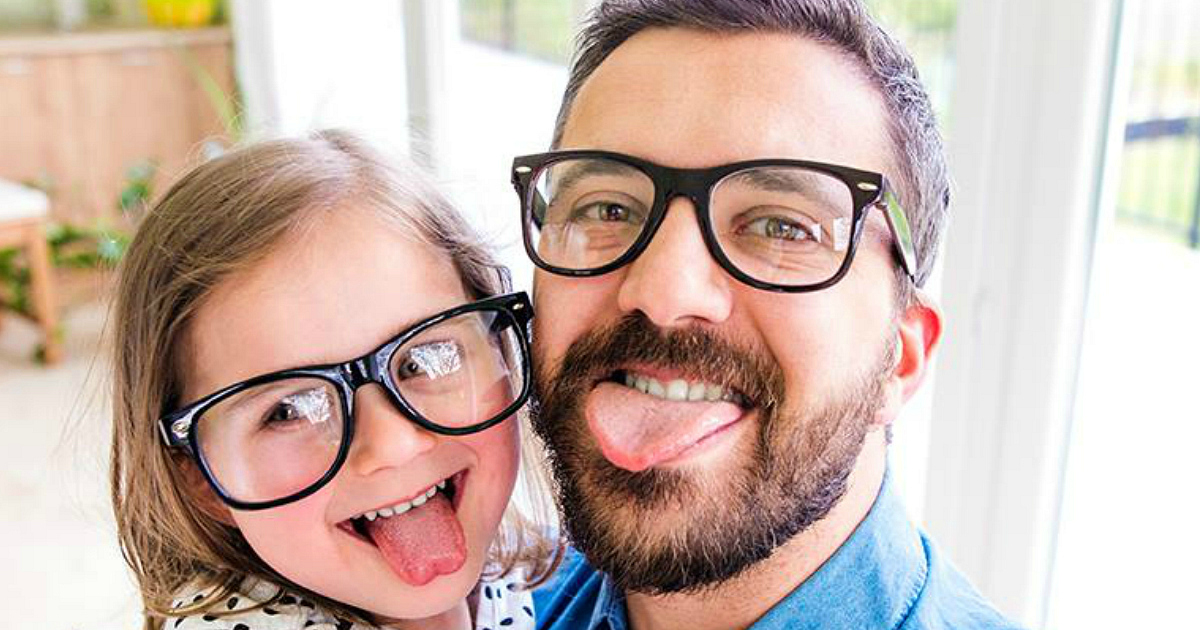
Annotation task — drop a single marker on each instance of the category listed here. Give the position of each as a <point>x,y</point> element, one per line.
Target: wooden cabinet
<point>81,108</point>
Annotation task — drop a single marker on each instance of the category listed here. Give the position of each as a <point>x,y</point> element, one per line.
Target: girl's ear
<point>201,493</point>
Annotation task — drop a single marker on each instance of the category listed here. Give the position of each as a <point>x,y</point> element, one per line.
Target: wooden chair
<point>23,215</point>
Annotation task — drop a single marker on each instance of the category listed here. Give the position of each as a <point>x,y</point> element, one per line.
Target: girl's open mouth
<point>421,538</point>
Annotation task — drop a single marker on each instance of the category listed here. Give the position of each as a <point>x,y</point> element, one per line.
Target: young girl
<point>316,377</point>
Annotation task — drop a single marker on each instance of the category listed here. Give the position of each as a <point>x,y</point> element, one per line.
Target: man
<point>743,201</point>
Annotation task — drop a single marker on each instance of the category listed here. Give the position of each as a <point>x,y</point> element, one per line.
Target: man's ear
<point>918,330</point>
<point>202,495</point>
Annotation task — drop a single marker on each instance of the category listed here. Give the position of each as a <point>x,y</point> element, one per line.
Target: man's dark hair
<point>922,178</point>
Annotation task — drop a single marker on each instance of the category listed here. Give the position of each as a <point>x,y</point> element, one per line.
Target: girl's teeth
<point>401,508</point>
<point>680,390</point>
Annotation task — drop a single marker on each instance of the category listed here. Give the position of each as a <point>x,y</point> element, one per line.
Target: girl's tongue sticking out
<point>422,543</point>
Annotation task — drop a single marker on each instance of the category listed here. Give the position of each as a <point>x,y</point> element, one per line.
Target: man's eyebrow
<point>805,182</point>
<point>578,169</point>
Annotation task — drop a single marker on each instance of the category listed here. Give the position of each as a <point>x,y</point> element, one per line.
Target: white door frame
<point>1032,89</point>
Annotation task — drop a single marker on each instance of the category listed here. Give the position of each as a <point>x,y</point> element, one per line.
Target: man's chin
<point>658,503</point>
<point>663,530</point>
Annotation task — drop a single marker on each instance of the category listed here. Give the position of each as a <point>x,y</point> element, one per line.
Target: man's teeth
<point>680,390</point>
<point>401,508</point>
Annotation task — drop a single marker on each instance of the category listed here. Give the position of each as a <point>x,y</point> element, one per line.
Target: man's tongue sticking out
<point>636,431</point>
<point>423,543</point>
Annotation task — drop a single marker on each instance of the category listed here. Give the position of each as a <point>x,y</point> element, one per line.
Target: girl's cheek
<point>272,532</point>
<point>498,451</point>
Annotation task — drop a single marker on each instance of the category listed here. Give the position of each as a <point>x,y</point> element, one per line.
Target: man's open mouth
<point>692,389</point>
<point>647,416</point>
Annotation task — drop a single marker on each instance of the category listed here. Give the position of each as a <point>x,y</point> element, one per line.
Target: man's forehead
<point>689,98</point>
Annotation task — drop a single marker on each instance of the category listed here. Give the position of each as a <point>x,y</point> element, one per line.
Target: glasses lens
<point>272,440</point>
<point>783,225</point>
<point>586,213</point>
<point>462,372</point>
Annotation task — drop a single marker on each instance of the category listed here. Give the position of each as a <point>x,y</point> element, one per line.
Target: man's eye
<point>606,212</point>
<point>780,229</point>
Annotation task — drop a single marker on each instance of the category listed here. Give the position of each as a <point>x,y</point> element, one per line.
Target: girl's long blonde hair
<point>221,218</point>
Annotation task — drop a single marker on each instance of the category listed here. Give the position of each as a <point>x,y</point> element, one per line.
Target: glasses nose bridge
<point>695,186</point>
<point>689,184</point>
<point>360,372</point>
<point>369,371</point>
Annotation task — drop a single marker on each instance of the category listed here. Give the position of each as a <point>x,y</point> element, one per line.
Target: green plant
<point>226,105</point>
<point>97,246</point>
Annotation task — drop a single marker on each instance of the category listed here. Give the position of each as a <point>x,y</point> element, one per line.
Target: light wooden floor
<point>62,567</point>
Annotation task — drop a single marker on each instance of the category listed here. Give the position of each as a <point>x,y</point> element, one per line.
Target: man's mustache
<point>697,353</point>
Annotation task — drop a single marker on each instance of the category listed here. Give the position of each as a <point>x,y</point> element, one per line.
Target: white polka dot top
<point>502,605</point>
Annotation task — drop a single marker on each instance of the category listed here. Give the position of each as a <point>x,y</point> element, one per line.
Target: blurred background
<point>1053,453</point>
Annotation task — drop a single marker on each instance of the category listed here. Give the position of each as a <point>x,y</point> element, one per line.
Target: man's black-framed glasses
<point>279,437</point>
<point>775,224</point>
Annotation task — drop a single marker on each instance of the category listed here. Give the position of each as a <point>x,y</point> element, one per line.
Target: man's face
<point>668,495</point>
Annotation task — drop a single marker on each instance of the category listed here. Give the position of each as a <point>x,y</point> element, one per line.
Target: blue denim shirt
<point>887,575</point>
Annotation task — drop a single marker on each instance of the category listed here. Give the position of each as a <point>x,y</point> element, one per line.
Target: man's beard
<point>798,468</point>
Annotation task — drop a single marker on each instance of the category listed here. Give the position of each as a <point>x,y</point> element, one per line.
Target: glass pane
<point>588,212</point>
<point>926,28</point>
<point>534,27</point>
<point>788,226</point>
<point>461,372</point>
<point>1126,547</point>
<point>272,440</point>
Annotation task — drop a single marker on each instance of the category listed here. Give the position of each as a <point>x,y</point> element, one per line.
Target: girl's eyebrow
<point>256,393</point>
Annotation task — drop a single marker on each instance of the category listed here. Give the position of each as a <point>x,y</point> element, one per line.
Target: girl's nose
<point>383,437</point>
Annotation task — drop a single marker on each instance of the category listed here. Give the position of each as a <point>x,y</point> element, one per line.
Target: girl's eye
<point>313,406</point>
<point>409,368</point>
<point>432,360</point>
<point>282,413</point>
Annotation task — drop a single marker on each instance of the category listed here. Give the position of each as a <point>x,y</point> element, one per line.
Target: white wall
<point>309,64</point>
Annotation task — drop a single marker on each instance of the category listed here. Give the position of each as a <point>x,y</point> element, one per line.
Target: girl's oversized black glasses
<point>775,224</point>
<point>279,437</point>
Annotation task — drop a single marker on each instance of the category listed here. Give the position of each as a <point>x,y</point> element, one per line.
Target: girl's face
<point>330,293</point>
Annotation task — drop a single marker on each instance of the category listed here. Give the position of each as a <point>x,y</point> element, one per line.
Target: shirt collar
<point>871,581</point>
<point>609,613</point>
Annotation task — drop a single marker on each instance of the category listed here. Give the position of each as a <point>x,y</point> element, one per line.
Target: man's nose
<point>675,281</point>
<point>383,437</point>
